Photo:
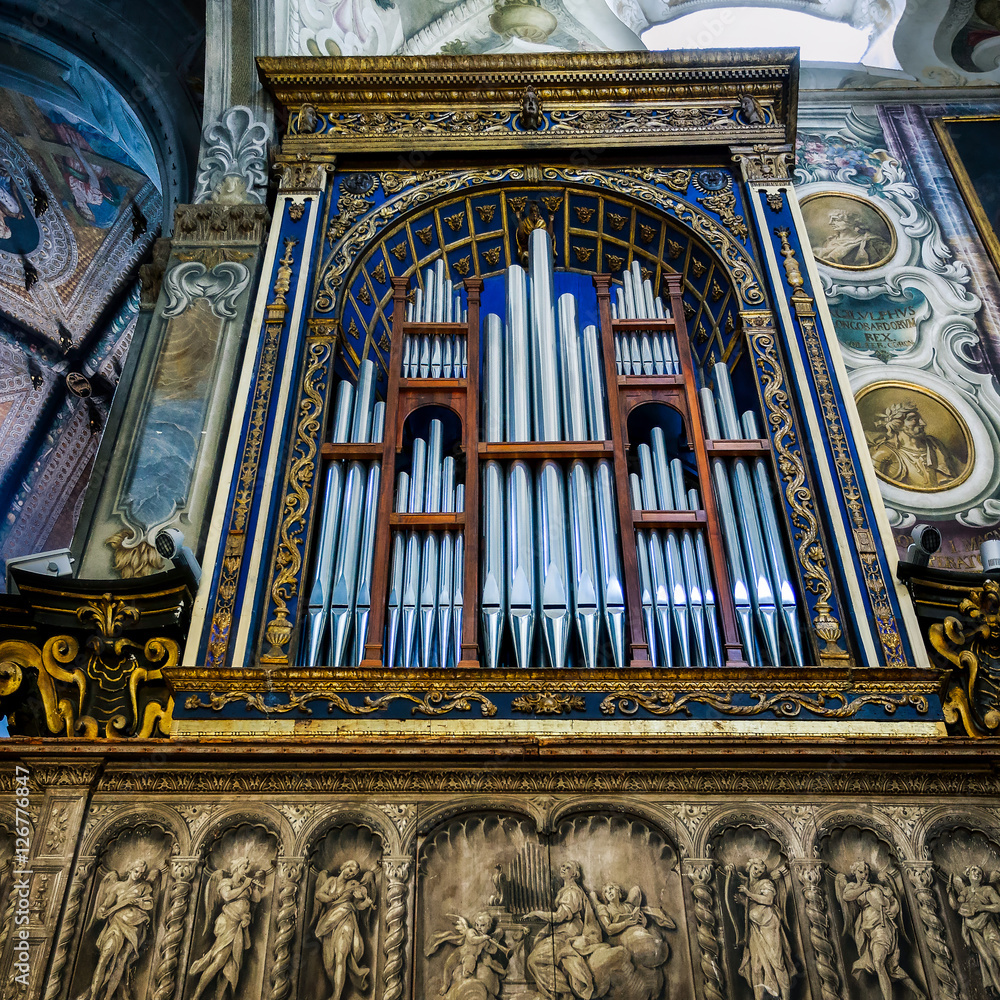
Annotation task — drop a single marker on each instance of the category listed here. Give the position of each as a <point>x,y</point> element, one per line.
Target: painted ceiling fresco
<point>75,211</point>
<point>925,43</point>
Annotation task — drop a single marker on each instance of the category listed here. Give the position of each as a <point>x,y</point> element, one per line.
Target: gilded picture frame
<point>862,229</point>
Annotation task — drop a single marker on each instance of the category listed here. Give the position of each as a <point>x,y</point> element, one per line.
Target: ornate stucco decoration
<point>233,167</point>
<point>367,103</point>
<point>973,694</point>
<point>762,162</point>
<point>75,661</point>
<point>219,223</point>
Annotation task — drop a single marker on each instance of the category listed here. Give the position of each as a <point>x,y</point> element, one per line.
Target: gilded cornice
<point>539,101</point>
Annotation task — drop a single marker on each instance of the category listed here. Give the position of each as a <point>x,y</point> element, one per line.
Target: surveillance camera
<point>170,545</point>
<point>926,541</point>
<point>169,542</point>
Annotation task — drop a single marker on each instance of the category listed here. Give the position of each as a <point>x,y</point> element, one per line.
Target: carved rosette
<point>810,878</point>
<point>182,871</point>
<point>701,871</point>
<point>397,874</point>
<point>81,876</point>
<point>921,877</point>
<point>289,875</point>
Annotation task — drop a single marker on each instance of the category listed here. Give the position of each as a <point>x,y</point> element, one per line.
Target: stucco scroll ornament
<point>126,900</point>
<point>221,287</point>
<point>973,689</point>
<point>233,167</point>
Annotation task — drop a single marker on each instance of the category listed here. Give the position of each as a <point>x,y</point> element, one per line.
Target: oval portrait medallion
<point>917,439</point>
<point>847,231</point>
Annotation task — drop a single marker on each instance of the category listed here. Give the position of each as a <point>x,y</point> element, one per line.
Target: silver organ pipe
<point>544,355</point>
<point>520,553</point>
<point>645,573</point>
<point>319,595</point>
<point>394,602</point>
<point>761,590</point>
<point>446,565</point>
<point>435,355</point>
<point>458,580</point>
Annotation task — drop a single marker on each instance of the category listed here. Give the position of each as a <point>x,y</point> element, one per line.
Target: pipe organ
<point>590,554</point>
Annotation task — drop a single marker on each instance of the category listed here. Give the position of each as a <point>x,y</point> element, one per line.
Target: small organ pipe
<point>593,382</point>
<point>554,563</point>
<point>574,403</point>
<point>364,401</point>
<point>438,314</point>
<point>430,282</point>
<point>432,497</point>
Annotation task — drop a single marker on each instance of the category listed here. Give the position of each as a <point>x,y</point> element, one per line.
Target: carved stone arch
<point>661,819</point>
<point>108,828</point>
<point>435,814</point>
<point>758,817</point>
<point>839,817</point>
<point>261,814</point>
<point>938,820</point>
<point>347,814</point>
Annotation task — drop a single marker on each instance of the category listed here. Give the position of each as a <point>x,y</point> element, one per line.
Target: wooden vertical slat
<point>470,620</point>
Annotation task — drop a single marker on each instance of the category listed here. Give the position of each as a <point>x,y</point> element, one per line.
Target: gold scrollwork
<point>434,702</point>
<point>805,313</point>
<point>548,703</point>
<point>295,510</point>
<point>973,691</point>
<point>786,704</point>
<point>724,206</point>
<point>809,549</point>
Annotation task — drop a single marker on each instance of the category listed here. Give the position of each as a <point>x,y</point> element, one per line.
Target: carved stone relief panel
<point>968,870</point>
<point>762,947</point>
<point>876,930</point>
<point>342,895</point>
<point>593,909</point>
<point>232,931</point>
<point>121,915</point>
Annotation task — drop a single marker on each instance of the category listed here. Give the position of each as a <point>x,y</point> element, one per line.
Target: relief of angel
<point>124,902</point>
<point>978,906</point>
<point>237,891</point>
<point>767,963</point>
<point>476,969</point>
<point>627,922</point>
<point>344,897</point>
<point>871,917</point>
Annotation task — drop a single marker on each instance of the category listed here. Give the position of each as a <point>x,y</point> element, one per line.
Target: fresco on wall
<point>912,330</point>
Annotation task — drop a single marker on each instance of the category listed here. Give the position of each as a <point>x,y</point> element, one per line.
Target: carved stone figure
<point>871,916</point>
<point>767,963</point>
<point>978,905</point>
<point>124,903</point>
<point>531,110</point>
<point>237,891</point>
<point>474,971</point>
<point>344,896</point>
<point>598,947</point>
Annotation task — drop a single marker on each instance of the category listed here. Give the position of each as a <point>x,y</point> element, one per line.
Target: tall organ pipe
<point>446,566</point>
<point>612,594</point>
<point>363,601</point>
<point>520,544</point>
<point>553,566</point>
<point>696,607</point>
<point>583,557</point>
<point>662,591</point>
<point>734,550</point>
<point>319,595</point>
<point>545,354</point>
<point>394,603</point>
<point>645,573</point>
<point>411,572</point>
<point>707,590</point>
<point>493,589</point>
<point>761,591</point>
<point>782,579</point>
<point>458,580</point>
<point>593,382</point>
<point>345,572</point>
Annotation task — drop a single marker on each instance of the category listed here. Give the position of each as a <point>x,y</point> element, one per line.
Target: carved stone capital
<point>302,175</point>
<point>762,162</point>
<point>183,869</point>
<point>151,274</point>
<point>396,869</point>
<point>233,166</point>
<point>219,223</point>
